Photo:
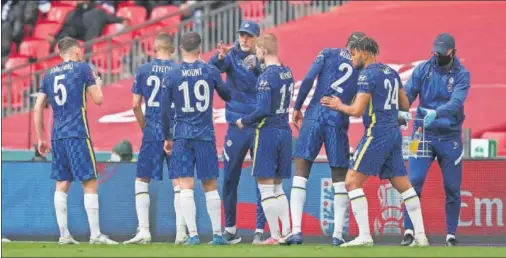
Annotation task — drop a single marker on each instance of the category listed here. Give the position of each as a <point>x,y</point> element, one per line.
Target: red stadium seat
<point>46,64</point>
<point>14,49</point>
<point>252,10</point>
<point>34,47</point>
<point>67,2</point>
<point>124,38</point>
<point>43,29</point>
<point>100,54</point>
<point>126,3</point>
<point>135,14</point>
<point>16,91</point>
<point>173,21</point>
<point>147,41</point>
<point>299,2</point>
<point>25,72</point>
<point>58,12</point>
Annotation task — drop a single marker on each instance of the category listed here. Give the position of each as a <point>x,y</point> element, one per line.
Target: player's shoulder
<point>209,67</point>
<point>460,69</point>
<point>144,67</point>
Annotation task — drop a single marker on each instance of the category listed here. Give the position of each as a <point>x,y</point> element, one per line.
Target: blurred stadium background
<point>119,44</point>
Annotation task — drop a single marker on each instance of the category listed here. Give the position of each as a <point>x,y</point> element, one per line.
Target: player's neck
<point>190,59</point>
<point>368,62</point>
<point>271,60</point>
<point>68,59</point>
<point>163,57</point>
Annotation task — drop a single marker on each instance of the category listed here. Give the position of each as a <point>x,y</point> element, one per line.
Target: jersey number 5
<point>59,87</point>
<point>393,94</point>
<point>348,71</point>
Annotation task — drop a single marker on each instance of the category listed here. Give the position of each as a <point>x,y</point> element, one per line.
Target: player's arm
<point>93,85</point>
<point>263,106</point>
<point>166,102</point>
<point>413,84</point>
<point>223,92</point>
<point>403,97</point>
<point>459,95</point>
<point>137,100</point>
<point>38,118</point>
<point>308,81</point>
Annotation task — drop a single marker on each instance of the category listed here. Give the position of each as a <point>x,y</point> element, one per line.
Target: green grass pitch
<point>170,250</point>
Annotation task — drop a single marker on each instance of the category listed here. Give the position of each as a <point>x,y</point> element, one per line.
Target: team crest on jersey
<point>326,207</point>
<point>387,70</point>
<point>229,143</point>
<point>449,86</point>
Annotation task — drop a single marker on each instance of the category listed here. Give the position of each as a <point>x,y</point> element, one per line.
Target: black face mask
<point>442,60</point>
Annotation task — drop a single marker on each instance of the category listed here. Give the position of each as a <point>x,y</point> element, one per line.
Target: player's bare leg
<point>91,205</point>
<point>354,181</point>
<point>213,203</point>
<point>60,206</point>
<point>188,208</point>
<point>270,206</point>
<point>297,200</point>
<point>181,235</point>
<point>142,202</point>
<point>413,207</point>
<point>340,204</point>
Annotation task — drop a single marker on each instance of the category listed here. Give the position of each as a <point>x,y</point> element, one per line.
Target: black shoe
<point>231,238</point>
<point>451,242</point>
<point>407,240</point>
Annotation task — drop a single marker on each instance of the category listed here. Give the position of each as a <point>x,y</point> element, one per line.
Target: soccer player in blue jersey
<point>379,98</point>
<point>273,140</point>
<point>442,84</point>
<point>193,145</point>
<point>147,85</point>
<point>336,77</point>
<point>242,69</point>
<point>66,86</point>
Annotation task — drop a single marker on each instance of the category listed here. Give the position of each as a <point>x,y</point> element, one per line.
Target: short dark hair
<point>191,41</point>
<point>67,43</point>
<point>164,40</point>
<point>354,37</point>
<point>366,44</point>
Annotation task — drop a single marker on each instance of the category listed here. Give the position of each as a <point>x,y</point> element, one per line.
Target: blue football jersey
<point>383,83</point>
<point>65,85</point>
<point>148,82</point>
<point>336,77</point>
<point>274,92</point>
<point>191,87</point>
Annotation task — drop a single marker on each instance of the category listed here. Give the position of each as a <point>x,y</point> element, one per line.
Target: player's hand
<point>250,61</point>
<point>332,102</point>
<point>239,123</point>
<point>403,119</point>
<point>167,147</point>
<point>297,118</point>
<point>430,116</point>
<point>43,148</point>
<point>222,50</point>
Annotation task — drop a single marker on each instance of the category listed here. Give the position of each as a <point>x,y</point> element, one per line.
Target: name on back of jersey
<point>64,67</point>
<point>345,54</point>
<point>192,72</point>
<point>285,76</point>
<point>160,68</point>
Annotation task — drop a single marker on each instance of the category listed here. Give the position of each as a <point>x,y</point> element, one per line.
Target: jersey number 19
<point>201,92</point>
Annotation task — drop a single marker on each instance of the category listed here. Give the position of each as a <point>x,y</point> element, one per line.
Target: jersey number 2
<point>393,94</point>
<point>348,71</point>
<point>59,87</point>
<point>153,81</point>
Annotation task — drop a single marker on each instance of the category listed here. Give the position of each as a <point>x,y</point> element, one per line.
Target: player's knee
<point>90,185</point>
<point>186,183</point>
<point>144,180</point>
<point>302,167</point>
<point>209,185</point>
<point>63,186</point>
<point>452,191</point>
<point>338,174</point>
<point>416,179</point>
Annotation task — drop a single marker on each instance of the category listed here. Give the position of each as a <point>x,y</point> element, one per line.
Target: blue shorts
<point>73,159</point>
<point>151,159</point>
<point>273,153</point>
<point>313,134</point>
<point>188,155</point>
<point>380,155</point>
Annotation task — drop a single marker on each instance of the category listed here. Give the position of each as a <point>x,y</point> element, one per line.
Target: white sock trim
<point>299,182</point>
<point>141,187</point>
<point>278,190</point>
<point>339,188</point>
<point>357,193</point>
<point>212,195</point>
<point>408,194</point>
